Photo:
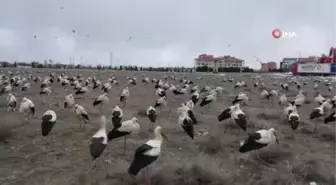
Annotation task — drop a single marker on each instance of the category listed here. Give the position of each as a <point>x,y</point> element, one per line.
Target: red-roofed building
<point>218,62</point>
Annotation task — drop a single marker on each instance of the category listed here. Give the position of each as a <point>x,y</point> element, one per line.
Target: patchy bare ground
<point>212,159</point>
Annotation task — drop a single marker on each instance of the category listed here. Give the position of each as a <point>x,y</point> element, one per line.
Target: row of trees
<point>36,64</point>
<point>50,64</point>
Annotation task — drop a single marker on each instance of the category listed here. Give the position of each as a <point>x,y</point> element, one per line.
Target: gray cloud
<point>163,33</point>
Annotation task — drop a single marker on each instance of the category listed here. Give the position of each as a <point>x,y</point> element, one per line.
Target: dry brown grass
<point>211,159</point>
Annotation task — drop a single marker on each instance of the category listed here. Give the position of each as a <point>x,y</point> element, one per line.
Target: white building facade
<point>218,62</point>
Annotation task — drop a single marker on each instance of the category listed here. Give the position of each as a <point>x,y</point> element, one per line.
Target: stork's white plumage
<point>205,89</point>
<point>124,95</point>
<point>319,99</point>
<point>166,86</point>
<point>330,88</point>
<point>327,105</point>
<point>259,139</point>
<point>117,114</point>
<point>289,109</point>
<point>241,97</point>
<point>124,129</point>
<point>99,140</point>
<point>283,100</point>
<point>194,89</point>
<point>69,101</point>
<point>294,119</point>
<point>145,80</point>
<point>265,95</point>
<point>48,121</point>
<point>195,97</point>
<point>160,92</point>
<point>161,102</point>
<point>317,112</point>
<point>81,114</point>
<point>152,115</point>
<point>106,87</point>
<point>27,106</point>
<point>300,99</point>
<point>190,104</point>
<point>46,91</point>
<point>11,99</point>
<point>208,99</point>
<point>6,89</point>
<point>96,83</point>
<point>25,87</point>
<point>82,90</point>
<point>65,82</point>
<point>274,93</point>
<point>186,122</point>
<point>172,88</point>
<point>239,116</point>
<point>101,100</point>
<point>147,153</point>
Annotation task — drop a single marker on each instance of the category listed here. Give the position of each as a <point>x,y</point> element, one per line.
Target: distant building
<point>310,59</point>
<point>218,62</point>
<point>287,64</point>
<point>265,67</point>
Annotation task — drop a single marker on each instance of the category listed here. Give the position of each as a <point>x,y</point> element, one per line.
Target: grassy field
<point>211,159</point>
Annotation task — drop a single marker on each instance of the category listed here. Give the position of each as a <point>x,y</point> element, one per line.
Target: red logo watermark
<point>277,34</point>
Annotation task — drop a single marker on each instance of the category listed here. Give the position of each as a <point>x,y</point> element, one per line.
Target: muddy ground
<point>211,159</point>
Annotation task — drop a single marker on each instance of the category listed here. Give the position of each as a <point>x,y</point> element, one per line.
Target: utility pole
<point>111,59</point>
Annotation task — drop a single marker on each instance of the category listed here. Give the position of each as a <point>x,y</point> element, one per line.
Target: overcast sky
<point>163,32</point>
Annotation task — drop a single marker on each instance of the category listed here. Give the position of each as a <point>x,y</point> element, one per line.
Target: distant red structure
<point>265,67</point>
<point>331,58</point>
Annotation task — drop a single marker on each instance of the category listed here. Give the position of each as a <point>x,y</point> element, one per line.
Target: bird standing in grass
<point>239,116</point>
<point>82,115</point>
<point>25,87</point>
<point>226,114</point>
<point>241,97</point>
<point>265,95</point>
<point>125,128</point>
<point>283,99</point>
<point>48,122</point>
<point>45,91</point>
<point>11,99</point>
<point>160,92</point>
<point>98,141</point>
<point>186,122</point>
<point>151,114</point>
<point>160,102</point>
<point>208,99</point>
<point>6,89</point>
<point>258,140</point>
<point>293,119</point>
<point>106,87</point>
<point>69,101</point>
<point>124,95</point>
<point>96,83</point>
<point>195,97</point>
<point>117,114</point>
<point>146,154</point>
<point>27,107</point>
<point>317,113</point>
<point>101,101</point>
